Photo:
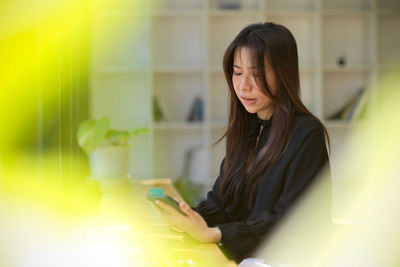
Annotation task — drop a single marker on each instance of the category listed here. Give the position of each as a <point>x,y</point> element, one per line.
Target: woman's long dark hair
<point>243,168</point>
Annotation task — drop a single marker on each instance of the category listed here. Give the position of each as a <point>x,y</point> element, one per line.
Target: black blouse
<point>243,228</point>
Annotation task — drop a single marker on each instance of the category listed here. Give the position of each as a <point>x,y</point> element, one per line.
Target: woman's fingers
<point>167,208</point>
<point>188,211</point>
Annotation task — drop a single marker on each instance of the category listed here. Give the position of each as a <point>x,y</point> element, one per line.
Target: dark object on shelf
<point>341,61</point>
<point>229,4</point>
<point>196,111</point>
<point>158,114</point>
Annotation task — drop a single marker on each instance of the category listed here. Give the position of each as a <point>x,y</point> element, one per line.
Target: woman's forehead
<point>247,57</point>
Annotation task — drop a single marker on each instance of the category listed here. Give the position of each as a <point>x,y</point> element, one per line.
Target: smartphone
<point>157,194</point>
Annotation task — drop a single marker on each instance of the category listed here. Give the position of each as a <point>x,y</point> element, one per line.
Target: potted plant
<point>108,149</point>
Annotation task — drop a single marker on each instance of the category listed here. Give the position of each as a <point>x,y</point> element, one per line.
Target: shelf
<point>173,50</point>
<point>346,68</point>
<point>178,13</point>
<point>338,123</point>
<point>307,68</point>
<point>290,11</point>
<point>388,11</point>
<point>218,124</point>
<point>124,13</point>
<point>346,12</point>
<point>178,126</point>
<point>177,69</point>
<point>388,4</point>
<point>389,66</point>
<point>121,70</point>
<point>290,4</point>
<point>232,13</point>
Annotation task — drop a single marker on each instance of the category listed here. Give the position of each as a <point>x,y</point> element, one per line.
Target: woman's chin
<point>251,110</point>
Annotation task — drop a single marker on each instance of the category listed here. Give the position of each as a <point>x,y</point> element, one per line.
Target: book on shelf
<point>196,110</point>
<point>158,114</point>
<point>353,108</point>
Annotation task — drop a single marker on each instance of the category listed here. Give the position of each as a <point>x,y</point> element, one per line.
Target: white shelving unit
<point>172,49</point>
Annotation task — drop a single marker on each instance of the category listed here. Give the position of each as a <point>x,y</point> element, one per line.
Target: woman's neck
<point>265,115</point>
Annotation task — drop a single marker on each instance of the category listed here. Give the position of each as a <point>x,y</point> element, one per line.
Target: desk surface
<point>150,242</point>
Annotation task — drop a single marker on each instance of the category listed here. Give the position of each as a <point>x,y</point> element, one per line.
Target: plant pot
<point>110,161</point>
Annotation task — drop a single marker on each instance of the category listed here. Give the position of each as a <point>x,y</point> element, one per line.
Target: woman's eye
<point>237,73</point>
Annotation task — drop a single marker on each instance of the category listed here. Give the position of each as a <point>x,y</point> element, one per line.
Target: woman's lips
<point>247,100</point>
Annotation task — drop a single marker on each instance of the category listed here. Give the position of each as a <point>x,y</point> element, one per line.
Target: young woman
<point>274,146</point>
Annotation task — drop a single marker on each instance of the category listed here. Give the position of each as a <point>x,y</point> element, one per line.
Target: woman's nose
<point>245,83</point>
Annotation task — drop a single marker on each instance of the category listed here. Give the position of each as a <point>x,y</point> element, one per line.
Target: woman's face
<point>245,84</point>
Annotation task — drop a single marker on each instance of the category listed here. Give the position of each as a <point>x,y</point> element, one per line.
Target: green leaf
<point>139,131</point>
<point>91,133</point>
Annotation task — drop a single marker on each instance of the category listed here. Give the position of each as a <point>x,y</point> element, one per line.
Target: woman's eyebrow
<point>236,66</point>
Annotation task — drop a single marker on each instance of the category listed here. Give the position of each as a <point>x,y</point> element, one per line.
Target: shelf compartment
<point>169,152</point>
<point>339,88</point>
<point>347,37</point>
<point>219,93</point>
<point>174,40</point>
<point>140,166</point>
<point>388,40</point>
<point>222,31</point>
<point>307,90</point>
<point>217,152</point>
<point>121,41</point>
<point>177,92</point>
<point>303,29</point>
<point>121,97</point>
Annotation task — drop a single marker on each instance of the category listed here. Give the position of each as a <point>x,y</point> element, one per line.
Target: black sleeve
<point>212,210</point>
<point>240,238</point>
